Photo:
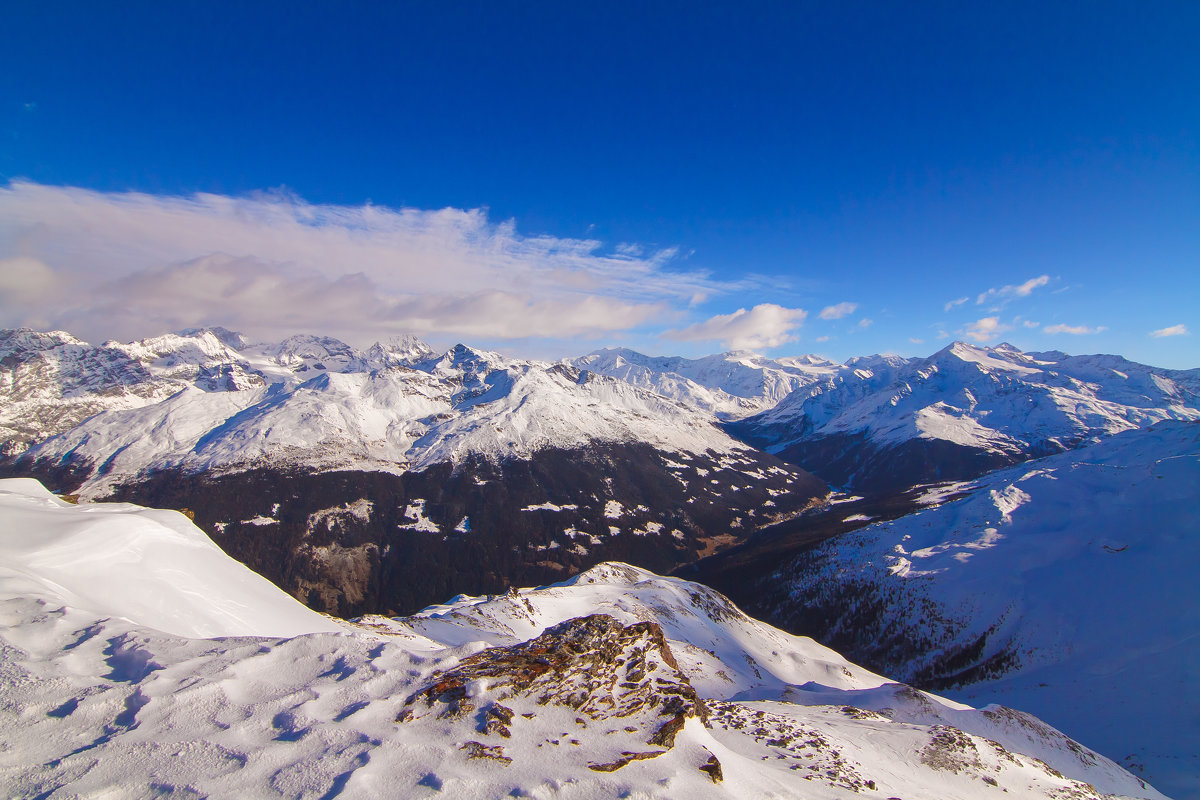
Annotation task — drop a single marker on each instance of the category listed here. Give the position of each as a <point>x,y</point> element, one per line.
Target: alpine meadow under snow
<point>944,520</point>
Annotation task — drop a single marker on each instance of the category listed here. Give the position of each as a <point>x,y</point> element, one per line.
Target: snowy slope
<point>152,567</point>
<point>675,693</point>
<point>998,403</point>
<point>1066,586</point>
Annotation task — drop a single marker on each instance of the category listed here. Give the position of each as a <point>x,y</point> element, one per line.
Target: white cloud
<point>957,302</point>
<point>916,341</point>
<point>765,325</point>
<point>123,265</point>
<point>838,311</point>
<point>1174,330</point>
<point>1030,323</point>
<point>822,339</point>
<point>986,329</point>
<point>27,288</point>
<point>865,323</point>
<point>25,279</point>
<point>252,295</point>
<point>1074,330</point>
<point>1006,293</point>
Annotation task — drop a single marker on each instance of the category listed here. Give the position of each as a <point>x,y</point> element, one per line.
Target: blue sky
<point>840,178</point>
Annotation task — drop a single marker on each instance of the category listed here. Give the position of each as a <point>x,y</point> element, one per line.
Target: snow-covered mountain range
<point>387,479</point>
<point>340,472</point>
<point>884,423</point>
<point>615,683</point>
<point>206,401</point>
<point>729,385</point>
<point>963,411</point>
<point>1066,585</point>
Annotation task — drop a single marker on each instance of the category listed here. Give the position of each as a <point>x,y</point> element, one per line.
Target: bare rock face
<point>623,679</point>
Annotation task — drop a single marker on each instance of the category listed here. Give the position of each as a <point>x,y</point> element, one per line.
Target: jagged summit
<point>304,353</point>
<point>24,339</point>
<point>231,339</point>
<point>404,351</point>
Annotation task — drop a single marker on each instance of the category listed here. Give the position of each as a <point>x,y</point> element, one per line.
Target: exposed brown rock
<point>713,768</point>
<point>665,736</point>
<point>625,760</point>
<point>480,750</point>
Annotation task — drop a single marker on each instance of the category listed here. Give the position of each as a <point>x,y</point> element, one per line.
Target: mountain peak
<point>231,339</point>
<point>461,355</point>
<point>405,350</point>
<point>21,339</point>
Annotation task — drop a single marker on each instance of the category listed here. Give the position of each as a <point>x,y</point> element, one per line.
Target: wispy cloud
<point>915,340</point>
<point>1174,330</point>
<point>986,329</point>
<point>838,311</point>
<point>957,302</point>
<point>28,289</point>
<point>1074,330</point>
<point>1006,293</point>
<point>865,323</point>
<point>765,325</point>
<point>129,264</point>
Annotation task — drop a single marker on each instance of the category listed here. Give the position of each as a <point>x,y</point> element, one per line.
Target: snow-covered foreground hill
<point>616,683</point>
<point>1067,586</point>
<point>154,566</point>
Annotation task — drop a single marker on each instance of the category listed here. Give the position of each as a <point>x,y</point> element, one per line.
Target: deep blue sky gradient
<point>894,155</point>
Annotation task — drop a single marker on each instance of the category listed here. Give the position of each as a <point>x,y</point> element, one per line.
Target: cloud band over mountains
<point>118,264</point>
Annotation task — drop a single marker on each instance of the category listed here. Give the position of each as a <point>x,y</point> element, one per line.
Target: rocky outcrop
<point>623,678</point>
<point>593,665</point>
